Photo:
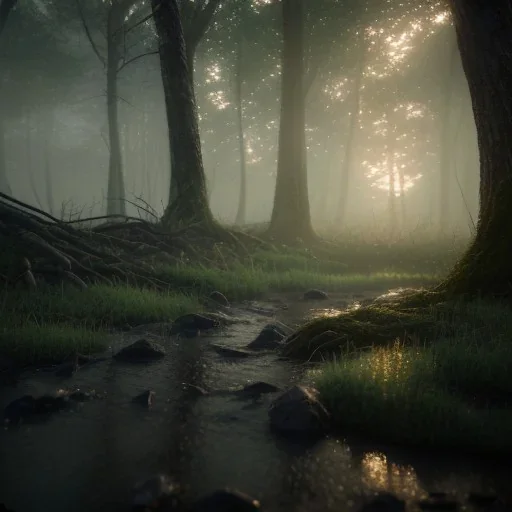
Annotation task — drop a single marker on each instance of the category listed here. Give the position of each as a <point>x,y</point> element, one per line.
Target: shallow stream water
<point>88,460</point>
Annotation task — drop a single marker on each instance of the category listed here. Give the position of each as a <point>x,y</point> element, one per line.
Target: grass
<point>67,319</point>
<point>452,392</point>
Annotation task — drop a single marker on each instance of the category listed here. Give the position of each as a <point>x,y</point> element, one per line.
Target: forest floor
<point>440,367</point>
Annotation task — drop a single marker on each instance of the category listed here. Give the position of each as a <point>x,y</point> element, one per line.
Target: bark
<point>189,203</point>
<point>116,193</point>
<point>5,188</point>
<point>483,32</point>
<point>446,143</point>
<point>291,218</point>
<point>242,198</point>
<point>352,131</point>
<point>392,179</point>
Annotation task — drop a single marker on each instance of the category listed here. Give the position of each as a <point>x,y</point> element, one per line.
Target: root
<point>114,252</point>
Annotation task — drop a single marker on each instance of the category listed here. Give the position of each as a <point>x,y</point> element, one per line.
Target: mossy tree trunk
<point>291,220</point>
<point>191,202</point>
<point>483,31</point>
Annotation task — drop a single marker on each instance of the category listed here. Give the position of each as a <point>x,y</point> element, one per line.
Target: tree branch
<point>140,22</point>
<point>137,57</point>
<point>88,34</point>
<point>200,22</point>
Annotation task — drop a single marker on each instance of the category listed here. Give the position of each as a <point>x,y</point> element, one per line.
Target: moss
<point>451,391</point>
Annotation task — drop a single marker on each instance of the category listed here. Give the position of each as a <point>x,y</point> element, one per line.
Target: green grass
<point>33,343</point>
<point>453,392</point>
<point>63,318</point>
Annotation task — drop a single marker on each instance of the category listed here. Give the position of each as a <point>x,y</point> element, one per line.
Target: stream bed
<point>89,459</point>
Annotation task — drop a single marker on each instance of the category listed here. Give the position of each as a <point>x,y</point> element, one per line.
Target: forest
<point>269,226</point>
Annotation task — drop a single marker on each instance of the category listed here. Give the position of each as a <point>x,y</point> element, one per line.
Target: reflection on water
<point>383,475</point>
<point>90,459</point>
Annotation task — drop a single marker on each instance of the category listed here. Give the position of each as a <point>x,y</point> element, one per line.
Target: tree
<point>114,59</point>
<point>190,203</point>
<point>483,32</point>
<point>291,218</point>
<point>6,6</point>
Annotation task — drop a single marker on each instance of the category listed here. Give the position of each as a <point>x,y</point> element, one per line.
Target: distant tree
<point>6,7</point>
<point>189,201</point>
<point>119,21</point>
<point>291,218</point>
<point>483,31</point>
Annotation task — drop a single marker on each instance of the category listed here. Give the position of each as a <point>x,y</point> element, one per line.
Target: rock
<point>193,324</point>
<point>159,492</point>
<point>269,338</point>
<point>141,351</point>
<point>230,351</point>
<point>28,406</point>
<point>146,398</point>
<point>19,409</point>
<point>315,295</point>
<point>219,298</point>
<point>68,369</point>
<point>257,389</point>
<point>298,410</point>
<point>81,396</point>
<point>384,502</point>
<point>226,500</point>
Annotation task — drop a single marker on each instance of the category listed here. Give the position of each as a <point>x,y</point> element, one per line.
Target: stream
<point>89,459</point>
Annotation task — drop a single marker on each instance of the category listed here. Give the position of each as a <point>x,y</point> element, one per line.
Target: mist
<point>413,150</point>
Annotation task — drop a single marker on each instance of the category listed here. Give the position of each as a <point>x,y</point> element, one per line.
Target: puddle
<point>88,460</point>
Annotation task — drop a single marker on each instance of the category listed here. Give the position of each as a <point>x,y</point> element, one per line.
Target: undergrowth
<point>449,390</point>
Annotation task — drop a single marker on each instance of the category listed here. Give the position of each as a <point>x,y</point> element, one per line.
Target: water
<point>88,460</point>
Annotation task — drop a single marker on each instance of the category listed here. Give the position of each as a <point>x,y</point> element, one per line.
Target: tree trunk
<point>353,128</point>
<point>483,31</point>
<point>242,198</point>
<point>49,131</point>
<point>291,219</point>
<point>392,179</point>
<point>188,202</point>
<point>5,188</point>
<point>116,190</point>
<point>446,143</point>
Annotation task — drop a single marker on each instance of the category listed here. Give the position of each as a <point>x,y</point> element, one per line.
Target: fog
<point>414,155</point>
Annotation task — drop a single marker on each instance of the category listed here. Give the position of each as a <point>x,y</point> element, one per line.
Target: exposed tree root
<point>37,246</point>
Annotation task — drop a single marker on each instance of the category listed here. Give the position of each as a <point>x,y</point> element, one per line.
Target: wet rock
<point>298,410</point>
<point>315,295</point>
<point>82,396</point>
<point>269,338</point>
<point>146,398</point>
<point>384,502</point>
<point>482,500</point>
<point>225,351</point>
<point>226,500</point>
<point>26,407</point>
<point>257,389</point>
<point>219,298</point>
<point>192,324</point>
<point>441,502</point>
<point>141,351</point>
<point>68,369</point>
<point>159,492</point>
